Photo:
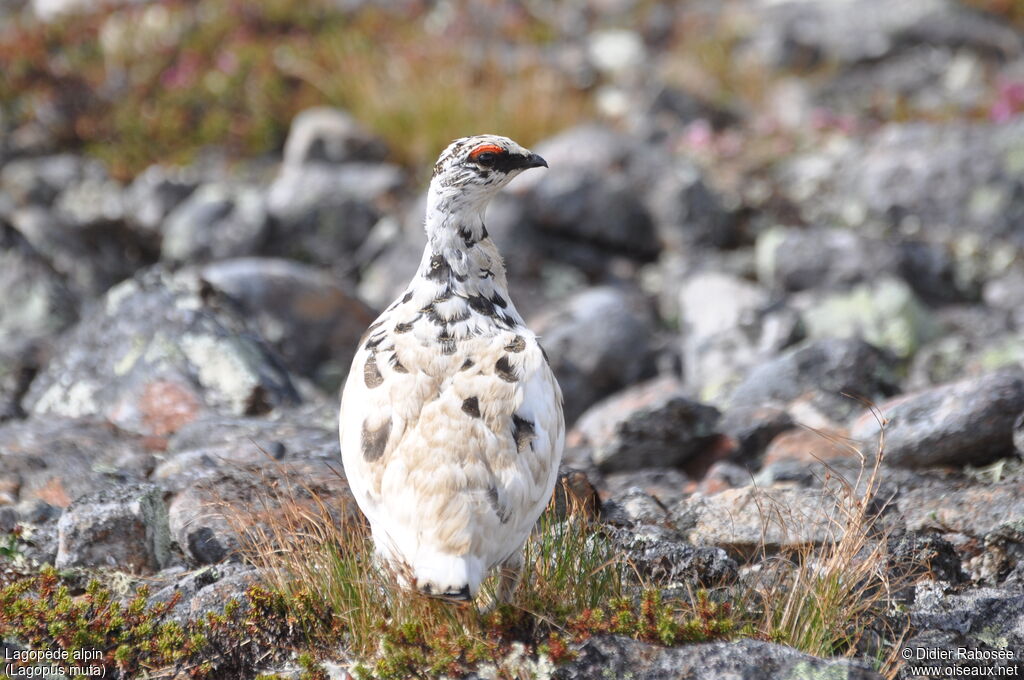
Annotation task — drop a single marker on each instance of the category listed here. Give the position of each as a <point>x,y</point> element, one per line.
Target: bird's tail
<point>457,577</point>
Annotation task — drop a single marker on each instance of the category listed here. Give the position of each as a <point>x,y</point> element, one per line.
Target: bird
<point>451,419</point>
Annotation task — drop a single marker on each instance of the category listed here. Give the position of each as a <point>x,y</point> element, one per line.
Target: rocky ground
<point>729,297</point>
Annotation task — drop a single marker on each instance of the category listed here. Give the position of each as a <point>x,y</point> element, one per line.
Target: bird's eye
<point>486,158</point>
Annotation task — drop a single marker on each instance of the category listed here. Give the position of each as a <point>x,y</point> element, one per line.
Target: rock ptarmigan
<point>451,419</point>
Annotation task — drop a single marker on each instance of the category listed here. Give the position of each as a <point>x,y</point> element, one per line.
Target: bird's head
<point>472,169</point>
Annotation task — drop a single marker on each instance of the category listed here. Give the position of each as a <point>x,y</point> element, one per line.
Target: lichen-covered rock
<point>662,556</point>
<point>124,528</point>
<point>966,508</point>
<point>886,313</point>
<point>58,460</point>
<point>607,656</point>
<point>310,319</point>
<point>967,422</point>
<point>37,302</point>
<point>159,351</point>
<point>648,425</point>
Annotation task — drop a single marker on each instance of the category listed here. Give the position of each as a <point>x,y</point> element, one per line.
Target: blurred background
<point>727,180</point>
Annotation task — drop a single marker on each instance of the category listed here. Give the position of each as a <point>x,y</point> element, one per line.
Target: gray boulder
<point>648,425</point>
<point>322,213</point>
<point>37,302</point>
<point>216,221</point>
<point>124,528</point>
<point>819,374</point>
<point>597,341</point>
<point>966,422</point>
<point>307,316</point>
<point>158,351</point>
<point>57,460</point>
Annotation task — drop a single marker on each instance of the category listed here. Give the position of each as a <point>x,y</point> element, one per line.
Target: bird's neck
<point>460,256</point>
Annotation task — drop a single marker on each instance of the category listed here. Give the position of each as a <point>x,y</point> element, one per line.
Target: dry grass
<point>836,599</point>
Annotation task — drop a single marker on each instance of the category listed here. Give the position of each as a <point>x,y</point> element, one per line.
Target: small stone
<point>124,528</point>
<point>330,135</point>
<point>809,446</point>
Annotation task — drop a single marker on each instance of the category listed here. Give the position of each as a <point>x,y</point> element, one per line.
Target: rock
<point>648,425</point>
<point>17,368</point>
<point>620,657</point>
<point>58,460</point>
<point>836,259</point>
<point>913,554</point>
<point>687,214</point>
<point>206,518</point>
<point>590,196</point>
<point>661,556</point>
<point>809,446</point>
<point>597,341</point>
<point>956,178</point>
<point>155,193</point>
<point>965,655</point>
<point>885,312</point>
<point>159,351</point>
<point>92,201</point>
<point>970,341</point>
<point>987,618</point>
<point>309,318</point>
<point>212,446</point>
<point>327,134</point>
<point>1018,434</point>
<point>124,528</point>
<point>728,326</point>
<point>666,485</point>
<point>967,422</point>
<point>751,429</point>
<point>633,507</point>
<point>1003,553</point>
<point>40,180</point>
<point>974,510</point>
<point>196,588</point>
<point>322,213</point>
<point>216,221</point>
<point>807,32</point>
<point>38,303</point>
<point>89,259</point>
<point>600,209</point>
<point>820,373</point>
<point>747,520</point>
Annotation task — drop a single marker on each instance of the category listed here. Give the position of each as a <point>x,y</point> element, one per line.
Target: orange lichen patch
<point>485,148</point>
<point>167,406</point>
<point>54,493</point>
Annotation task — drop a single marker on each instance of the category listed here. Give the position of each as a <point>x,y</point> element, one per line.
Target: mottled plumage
<point>451,419</point>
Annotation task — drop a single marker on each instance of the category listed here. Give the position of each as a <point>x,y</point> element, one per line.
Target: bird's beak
<point>534,161</point>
